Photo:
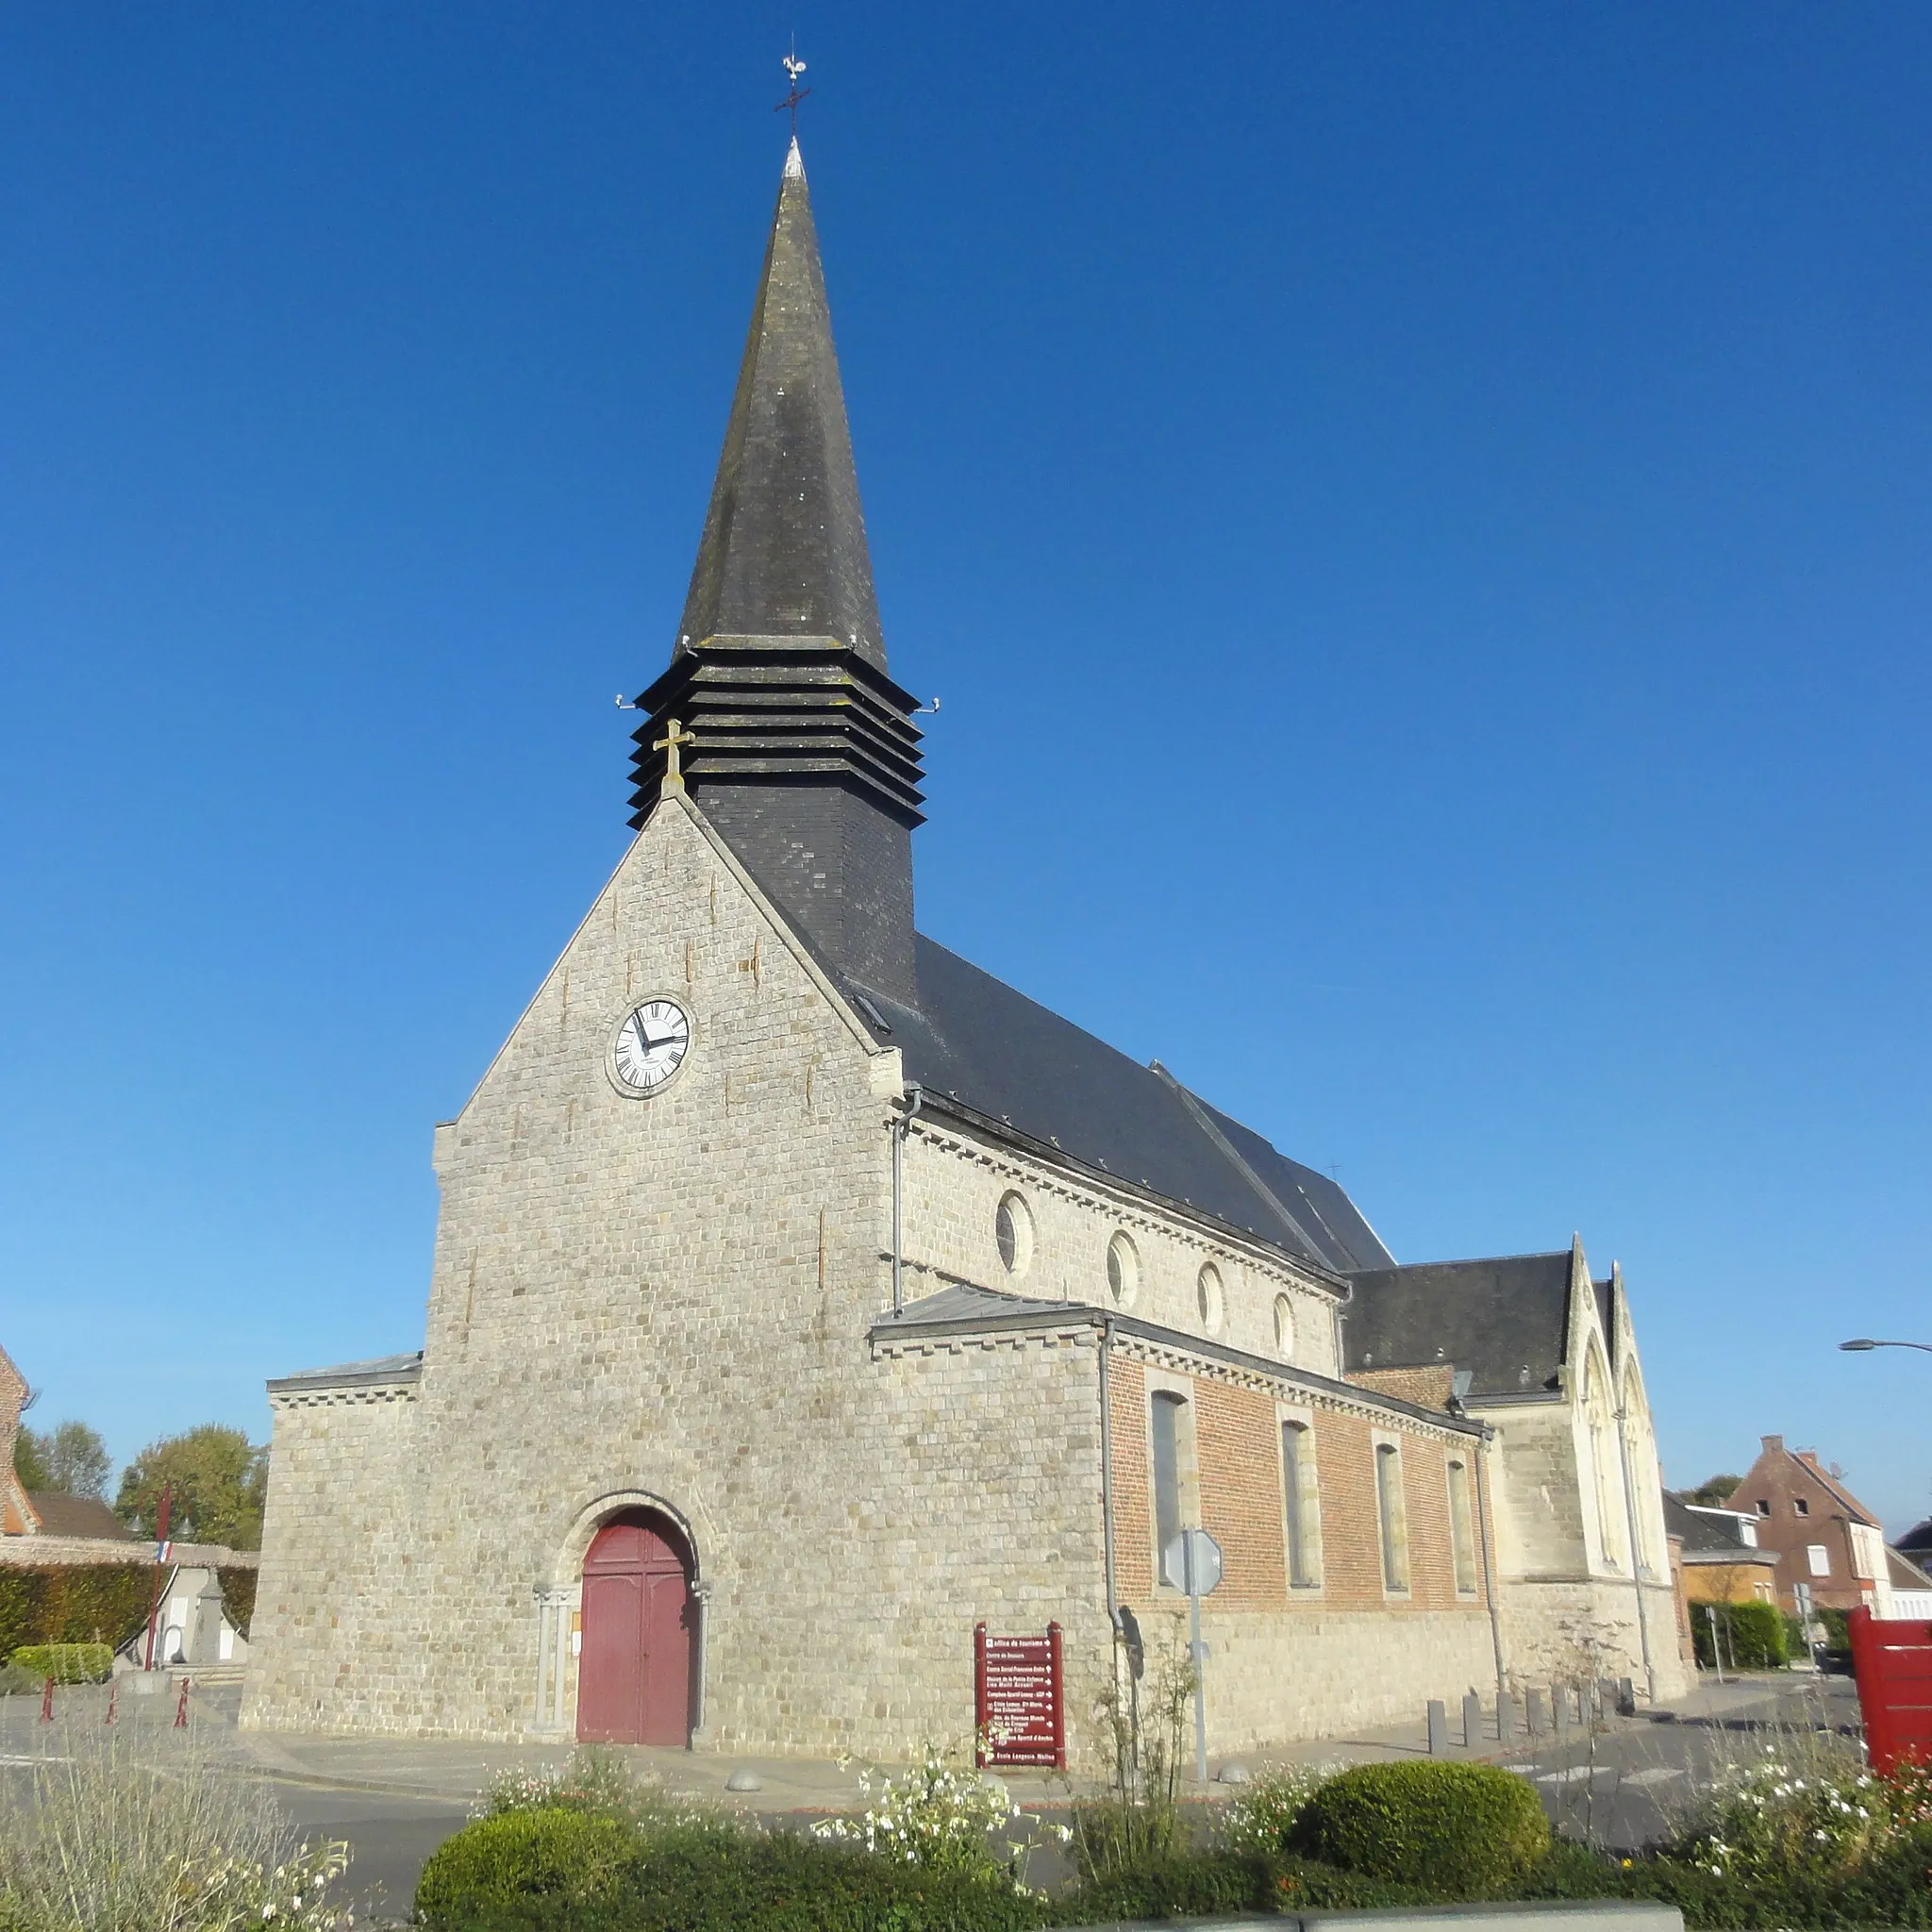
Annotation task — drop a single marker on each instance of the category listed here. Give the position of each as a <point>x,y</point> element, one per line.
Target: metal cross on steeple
<point>793,67</point>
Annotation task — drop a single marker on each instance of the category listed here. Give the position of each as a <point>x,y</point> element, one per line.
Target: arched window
<point>1208,1296</point>
<point>1176,1501</point>
<point>1284,1327</point>
<point>1123,1271</point>
<point>1391,1516</point>
<point>1302,1507</point>
<point>1462,1526</point>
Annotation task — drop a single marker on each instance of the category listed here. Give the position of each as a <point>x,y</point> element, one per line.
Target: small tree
<point>1714,1491</point>
<point>30,1458</point>
<point>76,1461</point>
<point>218,1480</point>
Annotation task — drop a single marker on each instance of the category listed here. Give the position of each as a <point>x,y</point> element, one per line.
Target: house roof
<point>1709,1537</point>
<point>1905,1575</point>
<point>1506,1320</point>
<point>83,1516</point>
<point>1917,1541</point>
<point>975,1040</point>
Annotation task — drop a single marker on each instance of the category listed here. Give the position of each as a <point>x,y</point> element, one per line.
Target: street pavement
<point>1625,1784</point>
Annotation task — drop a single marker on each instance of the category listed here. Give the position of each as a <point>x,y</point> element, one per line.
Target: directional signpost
<point>1192,1562</point>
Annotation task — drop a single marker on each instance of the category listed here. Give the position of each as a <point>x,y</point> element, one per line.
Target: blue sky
<point>1420,519</point>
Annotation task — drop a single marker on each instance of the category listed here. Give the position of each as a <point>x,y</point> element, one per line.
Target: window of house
<point>1172,1426</point>
<point>1461,1528</point>
<point>1208,1297</point>
<point>1300,1499</point>
<point>1012,1230</point>
<point>1391,1516</point>
<point>1123,1271</point>
<point>1764,1506</point>
<point>1800,1506</point>
<point>1819,1557</point>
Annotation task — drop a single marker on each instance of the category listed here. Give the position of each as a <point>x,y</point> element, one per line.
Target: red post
<point>979,1710</point>
<point>1060,1700</point>
<point>154,1596</point>
<point>47,1703</point>
<point>181,1708</point>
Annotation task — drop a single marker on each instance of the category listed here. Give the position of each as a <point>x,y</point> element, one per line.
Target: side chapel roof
<point>1506,1320</point>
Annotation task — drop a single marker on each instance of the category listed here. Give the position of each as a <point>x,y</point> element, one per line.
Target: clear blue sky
<point>1421,519</point>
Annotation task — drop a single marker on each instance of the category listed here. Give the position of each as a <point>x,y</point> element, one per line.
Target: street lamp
<point>1865,1341</point>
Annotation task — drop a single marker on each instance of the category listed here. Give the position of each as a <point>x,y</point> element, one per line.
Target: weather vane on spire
<point>793,67</point>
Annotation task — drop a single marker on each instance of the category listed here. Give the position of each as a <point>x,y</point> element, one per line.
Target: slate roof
<point>1917,1541</point>
<point>86,1516</point>
<point>1710,1537</point>
<point>975,1040</point>
<point>964,1308</point>
<point>382,1368</point>
<point>1504,1320</point>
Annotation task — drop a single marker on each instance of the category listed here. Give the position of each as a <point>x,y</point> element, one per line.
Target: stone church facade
<point>804,1297</point>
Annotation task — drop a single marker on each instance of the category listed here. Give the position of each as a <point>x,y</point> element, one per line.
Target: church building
<point>804,1297</point>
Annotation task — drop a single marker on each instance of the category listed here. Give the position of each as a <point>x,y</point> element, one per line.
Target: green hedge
<point>66,1663</point>
<point>76,1603</point>
<point>237,1594</point>
<point>1463,1829</point>
<point>1752,1634</point>
<point>697,1882</point>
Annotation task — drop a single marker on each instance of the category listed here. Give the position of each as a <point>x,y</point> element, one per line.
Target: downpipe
<point>914,1098</point>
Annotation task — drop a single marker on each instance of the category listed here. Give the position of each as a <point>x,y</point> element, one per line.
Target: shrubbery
<point>524,1859</point>
<point>1753,1635</point>
<point>66,1663</point>
<point>79,1603</point>
<point>1459,1830</point>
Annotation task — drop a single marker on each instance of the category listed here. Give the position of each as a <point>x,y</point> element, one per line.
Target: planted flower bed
<point>590,1851</point>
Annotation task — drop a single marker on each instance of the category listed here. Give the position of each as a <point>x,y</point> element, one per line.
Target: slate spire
<point>784,551</point>
<point>804,757</point>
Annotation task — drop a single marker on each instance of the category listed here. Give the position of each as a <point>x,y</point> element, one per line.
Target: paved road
<point>395,1800</point>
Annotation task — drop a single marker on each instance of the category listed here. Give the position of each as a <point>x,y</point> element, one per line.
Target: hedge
<point>1463,1829</point>
<point>237,1594</point>
<point>66,1663</point>
<point>76,1603</point>
<point>1754,1634</point>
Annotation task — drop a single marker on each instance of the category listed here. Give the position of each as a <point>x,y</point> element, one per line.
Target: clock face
<point>650,1046</point>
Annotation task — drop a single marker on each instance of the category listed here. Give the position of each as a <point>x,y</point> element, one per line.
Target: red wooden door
<point>634,1669</point>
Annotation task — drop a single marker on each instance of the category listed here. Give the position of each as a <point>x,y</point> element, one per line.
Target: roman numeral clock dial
<point>649,1048</point>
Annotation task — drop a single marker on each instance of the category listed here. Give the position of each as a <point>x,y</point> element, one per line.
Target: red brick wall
<point>1238,1444</point>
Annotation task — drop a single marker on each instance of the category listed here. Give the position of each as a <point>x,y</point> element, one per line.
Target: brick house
<point>1820,1534</point>
<point>803,1296</point>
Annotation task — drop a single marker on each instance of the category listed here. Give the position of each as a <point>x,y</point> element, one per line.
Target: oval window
<point>1284,1327</point>
<point>1012,1229</point>
<point>1208,1297</point>
<point>1123,1271</point>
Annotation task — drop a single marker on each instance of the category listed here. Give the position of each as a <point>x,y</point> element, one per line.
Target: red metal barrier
<point>1893,1660</point>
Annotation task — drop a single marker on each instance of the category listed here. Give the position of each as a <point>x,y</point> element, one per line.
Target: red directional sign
<point>1018,1699</point>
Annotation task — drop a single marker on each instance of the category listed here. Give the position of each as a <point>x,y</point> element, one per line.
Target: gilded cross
<point>674,736</point>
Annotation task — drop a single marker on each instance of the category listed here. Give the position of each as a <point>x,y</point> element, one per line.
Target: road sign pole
<point>1198,1651</point>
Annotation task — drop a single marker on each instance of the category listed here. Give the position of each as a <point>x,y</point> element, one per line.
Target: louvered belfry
<point>805,758</point>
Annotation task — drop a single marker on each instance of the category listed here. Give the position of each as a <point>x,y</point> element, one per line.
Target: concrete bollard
<point>1472,1722</point>
<point>1538,1715</point>
<point>1559,1703</point>
<point>1627,1697</point>
<point>1439,1727</point>
<point>1505,1718</point>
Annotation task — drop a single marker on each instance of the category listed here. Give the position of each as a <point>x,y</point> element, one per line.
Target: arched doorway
<point>634,1671</point>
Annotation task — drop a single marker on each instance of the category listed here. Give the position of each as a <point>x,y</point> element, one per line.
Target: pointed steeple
<point>784,551</point>
<point>803,754</point>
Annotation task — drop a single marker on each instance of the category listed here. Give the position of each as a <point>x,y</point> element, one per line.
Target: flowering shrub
<point>231,1893</point>
<point>1258,1819</point>
<point>936,1816</point>
<point>1775,1823</point>
<point>601,1784</point>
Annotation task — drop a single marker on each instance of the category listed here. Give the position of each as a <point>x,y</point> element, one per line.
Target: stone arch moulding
<point>568,1567</point>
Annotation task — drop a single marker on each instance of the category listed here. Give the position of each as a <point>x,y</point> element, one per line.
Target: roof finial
<point>793,67</point>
